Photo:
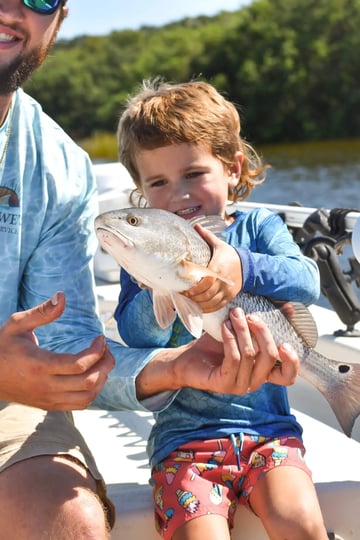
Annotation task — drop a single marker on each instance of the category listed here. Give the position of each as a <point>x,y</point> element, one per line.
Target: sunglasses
<point>44,7</point>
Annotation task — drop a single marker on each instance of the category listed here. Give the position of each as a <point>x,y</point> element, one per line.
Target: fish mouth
<point>109,236</point>
<point>188,213</point>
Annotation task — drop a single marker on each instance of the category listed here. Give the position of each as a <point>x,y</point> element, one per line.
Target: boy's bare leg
<point>286,502</point>
<point>209,527</point>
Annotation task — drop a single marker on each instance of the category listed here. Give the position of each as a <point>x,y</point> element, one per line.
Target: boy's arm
<point>277,269</point>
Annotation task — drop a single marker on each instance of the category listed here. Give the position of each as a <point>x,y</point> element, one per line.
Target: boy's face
<point>185,179</point>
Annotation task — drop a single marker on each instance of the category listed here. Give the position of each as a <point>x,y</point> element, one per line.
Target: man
<point>45,214</point>
<point>49,483</point>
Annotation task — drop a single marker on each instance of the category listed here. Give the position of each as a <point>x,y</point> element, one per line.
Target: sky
<point>94,17</point>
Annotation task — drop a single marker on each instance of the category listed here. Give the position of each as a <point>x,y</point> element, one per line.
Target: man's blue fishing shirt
<point>48,203</point>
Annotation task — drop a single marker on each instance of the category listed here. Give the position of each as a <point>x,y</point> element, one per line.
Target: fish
<point>165,253</point>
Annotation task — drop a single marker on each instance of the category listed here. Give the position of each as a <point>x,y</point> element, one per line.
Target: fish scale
<point>166,254</point>
<point>314,367</point>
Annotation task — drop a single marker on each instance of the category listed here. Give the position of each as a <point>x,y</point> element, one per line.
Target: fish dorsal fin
<point>189,313</point>
<point>195,272</point>
<point>214,224</point>
<point>300,319</point>
<point>164,309</point>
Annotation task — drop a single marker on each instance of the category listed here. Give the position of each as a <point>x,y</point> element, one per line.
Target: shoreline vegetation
<point>291,66</point>
<point>103,147</point>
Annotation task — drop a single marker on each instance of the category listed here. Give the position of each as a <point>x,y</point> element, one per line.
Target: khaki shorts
<point>26,432</point>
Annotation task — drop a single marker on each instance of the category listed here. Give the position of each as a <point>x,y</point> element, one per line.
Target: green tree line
<point>291,66</point>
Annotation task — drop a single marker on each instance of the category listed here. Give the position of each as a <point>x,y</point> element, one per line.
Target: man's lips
<point>8,36</point>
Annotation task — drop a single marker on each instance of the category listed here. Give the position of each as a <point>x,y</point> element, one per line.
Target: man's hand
<point>210,293</point>
<point>44,379</point>
<point>247,358</point>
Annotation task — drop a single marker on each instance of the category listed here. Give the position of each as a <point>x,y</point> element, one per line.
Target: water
<point>317,175</point>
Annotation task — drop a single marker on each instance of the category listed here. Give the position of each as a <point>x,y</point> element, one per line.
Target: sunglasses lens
<point>42,6</point>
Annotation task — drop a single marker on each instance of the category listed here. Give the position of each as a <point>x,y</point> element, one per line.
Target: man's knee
<point>47,497</point>
<point>82,517</point>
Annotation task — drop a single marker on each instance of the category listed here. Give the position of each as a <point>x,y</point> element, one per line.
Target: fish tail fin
<point>344,397</point>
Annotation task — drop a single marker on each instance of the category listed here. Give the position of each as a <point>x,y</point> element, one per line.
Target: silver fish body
<point>339,382</point>
<point>165,253</point>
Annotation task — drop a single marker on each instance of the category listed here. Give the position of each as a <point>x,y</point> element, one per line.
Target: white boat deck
<point>118,441</point>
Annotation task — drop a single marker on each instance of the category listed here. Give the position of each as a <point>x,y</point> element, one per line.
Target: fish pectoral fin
<point>195,272</point>
<point>189,313</point>
<point>164,309</point>
<point>300,319</point>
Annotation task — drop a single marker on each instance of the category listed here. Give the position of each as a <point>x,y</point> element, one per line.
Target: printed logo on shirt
<point>9,211</point>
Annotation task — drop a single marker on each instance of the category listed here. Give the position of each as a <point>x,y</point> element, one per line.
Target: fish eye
<point>133,220</point>
<point>343,368</point>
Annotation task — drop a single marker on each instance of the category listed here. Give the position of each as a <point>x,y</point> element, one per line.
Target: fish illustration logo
<point>8,198</point>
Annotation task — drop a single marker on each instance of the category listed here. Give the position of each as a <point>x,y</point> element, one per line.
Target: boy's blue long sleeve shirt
<point>272,266</point>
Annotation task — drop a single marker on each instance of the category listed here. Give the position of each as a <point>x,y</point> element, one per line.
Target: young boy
<point>208,451</point>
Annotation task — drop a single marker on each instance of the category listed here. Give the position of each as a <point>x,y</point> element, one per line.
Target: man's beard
<point>20,69</point>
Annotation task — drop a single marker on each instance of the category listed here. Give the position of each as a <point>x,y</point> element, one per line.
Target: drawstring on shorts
<point>238,443</point>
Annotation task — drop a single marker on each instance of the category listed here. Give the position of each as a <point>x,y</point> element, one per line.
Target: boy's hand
<point>210,293</point>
